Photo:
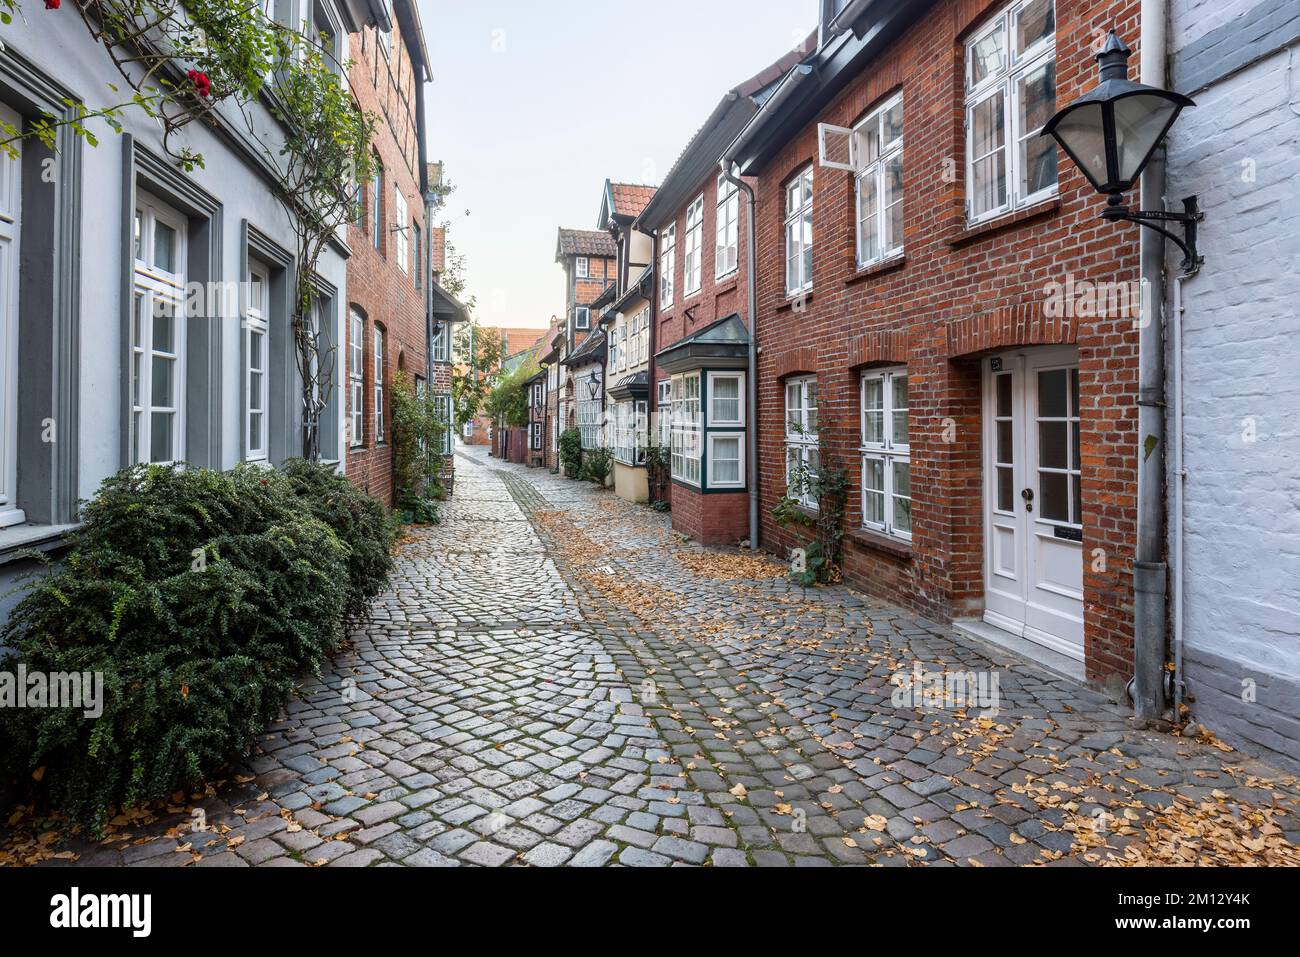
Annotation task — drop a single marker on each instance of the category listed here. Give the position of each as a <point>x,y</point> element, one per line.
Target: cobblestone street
<point>557,678</point>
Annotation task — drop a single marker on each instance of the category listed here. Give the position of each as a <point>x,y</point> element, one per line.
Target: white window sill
<point>18,537</point>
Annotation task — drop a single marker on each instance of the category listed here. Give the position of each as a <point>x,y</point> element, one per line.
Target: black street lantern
<point>593,384</point>
<point>1111,131</point>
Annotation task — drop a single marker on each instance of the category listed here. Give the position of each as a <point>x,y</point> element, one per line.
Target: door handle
<point>1028,496</point>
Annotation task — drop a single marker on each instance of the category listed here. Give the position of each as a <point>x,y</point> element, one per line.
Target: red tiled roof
<point>585,242</point>
<point>630,198</point>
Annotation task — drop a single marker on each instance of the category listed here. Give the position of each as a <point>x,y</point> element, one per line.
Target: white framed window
<point>1010,94</point>
<point>726,459</point>
<point>802,456</point>
<point>256,380</point>
<point>667,264</point>
<point>685,434</point>
<point>535,436</point>
<point>158,334</point>
<point>726,398</point>
<point>886,467</point>
<point>692,267</point>
<point>630,432</point>
<point>417,256</point>
<point>442,408</point>
<point>664,412</point>
<point>798,233</point>
<point>440,341</point>
<point>356,379</point>
<point>726,229</point>
<point>400,227</point>
<point>581,317</point>
<point>379,385</point>
<point>581,267</point>
<point>590,412</point>
<point>879,213</point>
<point>11,195</point>
<point>377,212</point>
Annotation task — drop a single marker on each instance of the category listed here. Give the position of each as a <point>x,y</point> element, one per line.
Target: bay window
<point>590,410</point>
<point>630,432</point>
<point>158,334</point>
<point>886,467</point>
<point>726,398</point>
<point>692,270</point>
<point>1010,94</point>
<point>667,264</point>
<point>726,242</point>
<point>726,459</point>
<point>802,456</point>
<point>798,233</point>
<point>685,444</point>
<point>664,412</point>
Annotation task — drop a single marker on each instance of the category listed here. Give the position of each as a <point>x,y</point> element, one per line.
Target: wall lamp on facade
<point>593,385</point>
<point>1111,132</point>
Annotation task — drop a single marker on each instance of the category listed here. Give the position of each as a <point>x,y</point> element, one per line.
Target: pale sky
<point>534,104</point>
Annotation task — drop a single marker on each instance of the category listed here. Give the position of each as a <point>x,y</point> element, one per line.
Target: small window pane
<point>164,246</point>
<point>893,123</point>
<point>1005,455</point>
<point>1037,153</point>
<point>1052,450</point>
<point>164,327</point>
<point>988,56</point>
<point>989,172</point>
<point>1004,395</point>
<point>1052,393</point>
<point>160,438</point>
<point>1006,489</point>
<point>161,386</point>
<point>1036,21</point>
<point>902,518</point>
<point>1053,487</point>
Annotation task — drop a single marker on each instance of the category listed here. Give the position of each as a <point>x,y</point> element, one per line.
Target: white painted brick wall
<point>1242,365</point>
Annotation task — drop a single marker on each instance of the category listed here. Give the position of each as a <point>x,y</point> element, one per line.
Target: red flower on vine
<point>51,4</point>
<point>202,85</point>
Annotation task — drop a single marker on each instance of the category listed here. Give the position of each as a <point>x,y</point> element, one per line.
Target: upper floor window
<point>417,256</point>
<point>667,264</point>
<point>581,317</point>
<point>400,225</point>
<point>582,267</point>
<point>726,243</point>
<point>880,183</point>
<point>1010,94</point>
<point>798,233</point>
<point>691,264</point>
<point>886,467</point>
<point>377,214</point>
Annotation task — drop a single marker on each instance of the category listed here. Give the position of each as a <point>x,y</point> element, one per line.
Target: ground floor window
<point>685,437</point>
<point>590,412</point>
<point>886,466</point>
<point>442,408</point>
<point>726,459</point>
<point>802,457</point>
<point>663,425</point>
<point>535,436</point>
<point>158,334</point>
<point>630,432</point>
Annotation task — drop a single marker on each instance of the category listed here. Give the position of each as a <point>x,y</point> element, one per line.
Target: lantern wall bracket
<point>1116,211</point>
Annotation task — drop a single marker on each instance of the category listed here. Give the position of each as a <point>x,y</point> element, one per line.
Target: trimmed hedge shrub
<point>357,519</point>
<point>201,597</point>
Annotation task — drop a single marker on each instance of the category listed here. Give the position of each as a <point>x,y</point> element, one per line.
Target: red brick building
<point>912,327</point>
<point>387,316</point>
<point>699,327</point>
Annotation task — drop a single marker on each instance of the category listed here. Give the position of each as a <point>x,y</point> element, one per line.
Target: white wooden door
<point>10,231</point>
<point>1033,516</point>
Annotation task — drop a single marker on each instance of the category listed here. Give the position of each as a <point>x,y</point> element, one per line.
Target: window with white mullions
<point>798,233</point>
<point>692,271</point>
<point>1059,470</point>
<point>664,412</point>
<point>356,379</point>
<point>158,334</point>
<point>1004,444</point>
<point>686,433</point>
<point>1010,94</point>
<point>726,398</point>
<point>886,466</point>
<point>726,244</point>
<point>802,455</point>
<point>880,183</point>
<point>400,226</point>
<point>379,386</point>
<point>667,264</point>
<point>726,459</point>
<point>256,382</point>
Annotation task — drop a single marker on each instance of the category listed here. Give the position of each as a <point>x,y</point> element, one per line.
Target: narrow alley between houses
<point>555,677</point>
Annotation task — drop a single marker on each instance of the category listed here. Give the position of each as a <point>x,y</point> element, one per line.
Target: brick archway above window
<point>886,345</point>
<point>796,362</point>
<point>1023,324</point>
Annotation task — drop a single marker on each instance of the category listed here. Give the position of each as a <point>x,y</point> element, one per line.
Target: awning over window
<point>720,345</point>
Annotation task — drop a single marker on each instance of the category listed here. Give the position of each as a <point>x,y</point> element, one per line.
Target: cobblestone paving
<point>555,678</point>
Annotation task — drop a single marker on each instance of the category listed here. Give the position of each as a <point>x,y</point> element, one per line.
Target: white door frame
<point>1033,566</point>
<point>10,234</point>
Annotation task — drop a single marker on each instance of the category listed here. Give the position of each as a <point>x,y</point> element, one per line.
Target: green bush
<point>596,466</point>
<point>571,452</point>
<point>201,597</point>
<point>357,519</point>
